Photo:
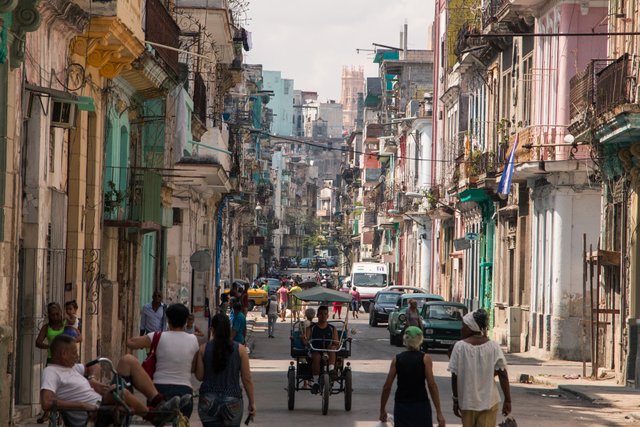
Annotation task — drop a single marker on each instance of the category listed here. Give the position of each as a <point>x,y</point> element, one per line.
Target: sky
<point>310,41</point>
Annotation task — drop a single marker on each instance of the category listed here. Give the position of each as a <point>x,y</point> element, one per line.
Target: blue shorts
<point>218,410</point>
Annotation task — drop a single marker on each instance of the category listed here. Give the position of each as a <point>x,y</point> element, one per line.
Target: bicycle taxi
<point>299,374</point>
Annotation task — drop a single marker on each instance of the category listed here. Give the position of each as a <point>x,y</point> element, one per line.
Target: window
<point>527,88</point>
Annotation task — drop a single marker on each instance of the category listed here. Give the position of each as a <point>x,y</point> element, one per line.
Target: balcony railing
<point>581,92</point>
<point>613,85</point>
<point>489,12</point>
<point>162,29</point>
<point>132,197</point>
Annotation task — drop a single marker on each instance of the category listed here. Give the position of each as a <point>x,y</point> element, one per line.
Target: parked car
<point>304,263</point>
<point>331,262</point>
<point>397,317</point>
<point>442,323</point>
<point>383,304</point>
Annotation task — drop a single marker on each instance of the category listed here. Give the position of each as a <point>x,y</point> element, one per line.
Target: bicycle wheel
<point>326,392</point>
<point>348,389</point>
<point>291,389</point>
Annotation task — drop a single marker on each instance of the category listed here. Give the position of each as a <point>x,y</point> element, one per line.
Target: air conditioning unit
<point>63,114</point>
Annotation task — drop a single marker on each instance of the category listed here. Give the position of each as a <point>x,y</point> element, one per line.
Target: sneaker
<point>315,388</point>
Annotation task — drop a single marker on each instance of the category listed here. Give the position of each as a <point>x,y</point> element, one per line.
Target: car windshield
<point>370,280</point>
<point>388,298</point>
<point>444,312</point>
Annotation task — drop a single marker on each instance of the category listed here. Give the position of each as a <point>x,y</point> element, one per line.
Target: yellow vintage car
<point>256,296</point>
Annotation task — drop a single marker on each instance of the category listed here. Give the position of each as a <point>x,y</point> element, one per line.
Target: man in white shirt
<point>69,387</point>
<point>475,361</point>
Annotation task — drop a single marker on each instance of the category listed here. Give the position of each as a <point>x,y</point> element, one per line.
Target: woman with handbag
<point>220,365</point>
<point>175,355</point>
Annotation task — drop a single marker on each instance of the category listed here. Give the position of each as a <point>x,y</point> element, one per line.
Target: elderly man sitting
<point>68,386</point>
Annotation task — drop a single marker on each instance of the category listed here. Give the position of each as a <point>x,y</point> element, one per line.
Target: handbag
<point>149,364</point>
<point>509,421</point>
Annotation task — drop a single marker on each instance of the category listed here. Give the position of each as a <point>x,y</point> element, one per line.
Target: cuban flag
<point>507,174</point>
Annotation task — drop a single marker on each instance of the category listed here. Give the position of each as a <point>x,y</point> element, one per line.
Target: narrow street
<point>533,405</point>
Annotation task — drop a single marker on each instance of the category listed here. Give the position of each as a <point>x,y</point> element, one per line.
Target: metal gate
<point>43,279</point>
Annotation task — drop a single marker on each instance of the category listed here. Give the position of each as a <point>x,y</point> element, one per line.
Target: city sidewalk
<point>566,376</point>
<point>252,317</point>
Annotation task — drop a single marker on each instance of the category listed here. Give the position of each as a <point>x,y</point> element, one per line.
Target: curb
<point>584,396</point>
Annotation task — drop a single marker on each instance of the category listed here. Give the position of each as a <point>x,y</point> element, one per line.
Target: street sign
<point>201,260</point>
<point>471,236</point>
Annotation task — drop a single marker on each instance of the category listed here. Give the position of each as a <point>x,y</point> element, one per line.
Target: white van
<point>369,278</point>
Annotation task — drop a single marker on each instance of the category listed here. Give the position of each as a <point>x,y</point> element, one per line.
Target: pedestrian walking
<point>220,365</point>
<point>475,361</point>
<point>355,302</point>
<point>337,309</point>
<point>283,298</point>
<point>412,367</point>
<point>296,304</point>
<point>175,356</point>
<point>271,311</point>
<point>152,315</point>
<point>413,314</point>
<point>238,324</point>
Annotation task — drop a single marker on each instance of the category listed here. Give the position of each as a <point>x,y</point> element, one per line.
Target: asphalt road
<point>371,356</point>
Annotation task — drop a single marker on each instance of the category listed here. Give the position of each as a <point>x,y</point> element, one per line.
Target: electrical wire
<point>346,150</point>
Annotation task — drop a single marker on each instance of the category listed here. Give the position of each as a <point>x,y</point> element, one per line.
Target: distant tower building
<point>352,85</point>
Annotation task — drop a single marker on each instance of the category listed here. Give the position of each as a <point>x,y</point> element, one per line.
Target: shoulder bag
<point>149,364</point>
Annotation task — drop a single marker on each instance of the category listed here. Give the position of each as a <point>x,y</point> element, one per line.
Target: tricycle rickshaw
<point>299,374</point>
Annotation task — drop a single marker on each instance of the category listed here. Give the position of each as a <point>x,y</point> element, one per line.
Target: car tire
<point>373,321</point>
<point>252,304</point>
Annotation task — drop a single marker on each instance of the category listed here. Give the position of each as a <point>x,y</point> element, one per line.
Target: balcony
<point>512,15</point>
<point>162,29</point>
<point>613,85</point>
<point>114,37</point>
<point>132,198</point>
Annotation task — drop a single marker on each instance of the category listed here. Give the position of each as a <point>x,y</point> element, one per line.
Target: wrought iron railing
<point>613,85</point>
<point>581,92</point>
<point>489,12</point>
<point>132,196</point>
<point>160,28</point>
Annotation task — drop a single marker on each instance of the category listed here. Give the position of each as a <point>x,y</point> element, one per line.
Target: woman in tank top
<point>54,327</point>
<point>220,365</point>
<point>175,357</point>
<point>412,406</point>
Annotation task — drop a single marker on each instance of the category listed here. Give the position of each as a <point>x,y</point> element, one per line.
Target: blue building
<point>281,103</point>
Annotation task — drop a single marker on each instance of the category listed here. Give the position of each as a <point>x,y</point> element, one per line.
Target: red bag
<point>149,364</point>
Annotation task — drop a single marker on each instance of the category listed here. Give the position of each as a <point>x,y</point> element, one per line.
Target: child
<point>191,328</point>
<point>72,321</point>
